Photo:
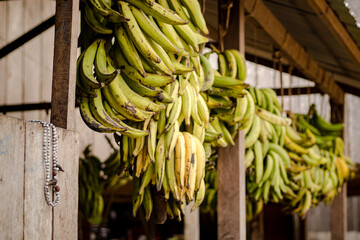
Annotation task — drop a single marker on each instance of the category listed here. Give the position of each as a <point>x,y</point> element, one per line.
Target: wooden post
<point>64,70</point>
<point>65,215</point>
<point>339,206</point>
<point>231,165</point>
<point>191,224</point>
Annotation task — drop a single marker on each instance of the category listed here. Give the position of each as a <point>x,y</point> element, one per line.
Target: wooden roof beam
<point>293,50</point>
<point>327,15</point>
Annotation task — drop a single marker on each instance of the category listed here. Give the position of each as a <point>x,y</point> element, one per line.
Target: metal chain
<point>48,129</point>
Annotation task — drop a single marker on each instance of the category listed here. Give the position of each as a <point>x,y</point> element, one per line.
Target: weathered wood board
<point>24,213</point>
<point>191,223</point>
<point>11,177</point>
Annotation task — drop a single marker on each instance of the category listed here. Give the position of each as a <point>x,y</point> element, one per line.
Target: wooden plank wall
<point>26,73</point>
<point>23,209</point>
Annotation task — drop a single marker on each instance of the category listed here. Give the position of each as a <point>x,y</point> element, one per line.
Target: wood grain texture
<point>64,70</point>
<point>13,62</point>
<point>231,160</point>
<point>231,191</point>
<point>338,214</point>
<point>11,177</point>
<point>259,12</point>
<point>32,57</point>
<point>65,214</point>
<point>329,17</point>
<point>191,224</point>
<point>37,214</point>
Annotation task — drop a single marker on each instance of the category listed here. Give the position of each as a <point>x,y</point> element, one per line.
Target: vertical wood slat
<point>37,214</point>
<point>32,57</point>
<point>14,61</point>
<point>66,212</point>
<point>191,224</point>
<point>231,163</point>
<point>64,70</point>
<point>339,206</point>
<point>11,178</point>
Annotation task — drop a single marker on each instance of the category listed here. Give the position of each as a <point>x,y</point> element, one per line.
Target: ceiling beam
<point>327,15</point>
<point>293,50</point>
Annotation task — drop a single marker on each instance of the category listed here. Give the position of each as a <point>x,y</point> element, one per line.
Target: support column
<point>231,160</point>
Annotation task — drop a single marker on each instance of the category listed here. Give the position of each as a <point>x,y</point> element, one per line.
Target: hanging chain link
<point>50,131</point>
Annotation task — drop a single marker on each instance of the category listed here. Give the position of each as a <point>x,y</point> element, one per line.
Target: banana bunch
<point>210,199</point>
<point>319,166</point>
<point>91,201</point>
<point>96,177</point>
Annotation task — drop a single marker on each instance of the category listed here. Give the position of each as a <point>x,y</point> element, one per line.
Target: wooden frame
<point>231,160</point>
<point>324,11</point>
<point>64,70</point>
<point>293,50</point>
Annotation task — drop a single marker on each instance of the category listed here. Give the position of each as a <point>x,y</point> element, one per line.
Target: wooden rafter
<point>327,15</point>
<point>293,50</point>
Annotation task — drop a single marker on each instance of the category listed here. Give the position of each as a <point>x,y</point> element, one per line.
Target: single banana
<point>129,49</point>
<point>159,12</point>
<point>137,35</point>
<point>153,31</point>
<point>160,162</point>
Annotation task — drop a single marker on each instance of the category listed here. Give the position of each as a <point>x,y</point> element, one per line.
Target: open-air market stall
<point>315,40</point>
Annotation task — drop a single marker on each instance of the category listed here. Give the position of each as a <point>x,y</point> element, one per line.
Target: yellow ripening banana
<point>173,91</point>
<point>160,162</point>
<point>194,81</point>
<point>199,195</point>
<point>139,164</point>
<point>292,146</point>
<point>232,64</point>
<point>180,161</point>
<point>190,164</point>
<point>174,113</point>
<point>171,138</point>
<point>254,132</point>
<point>274,119</point>
<point>194,109</point>
<point>187,102</point>
<point>170,175</point>
<point>200,164</point>
<point>203,110</point>
<point>151,140</point>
